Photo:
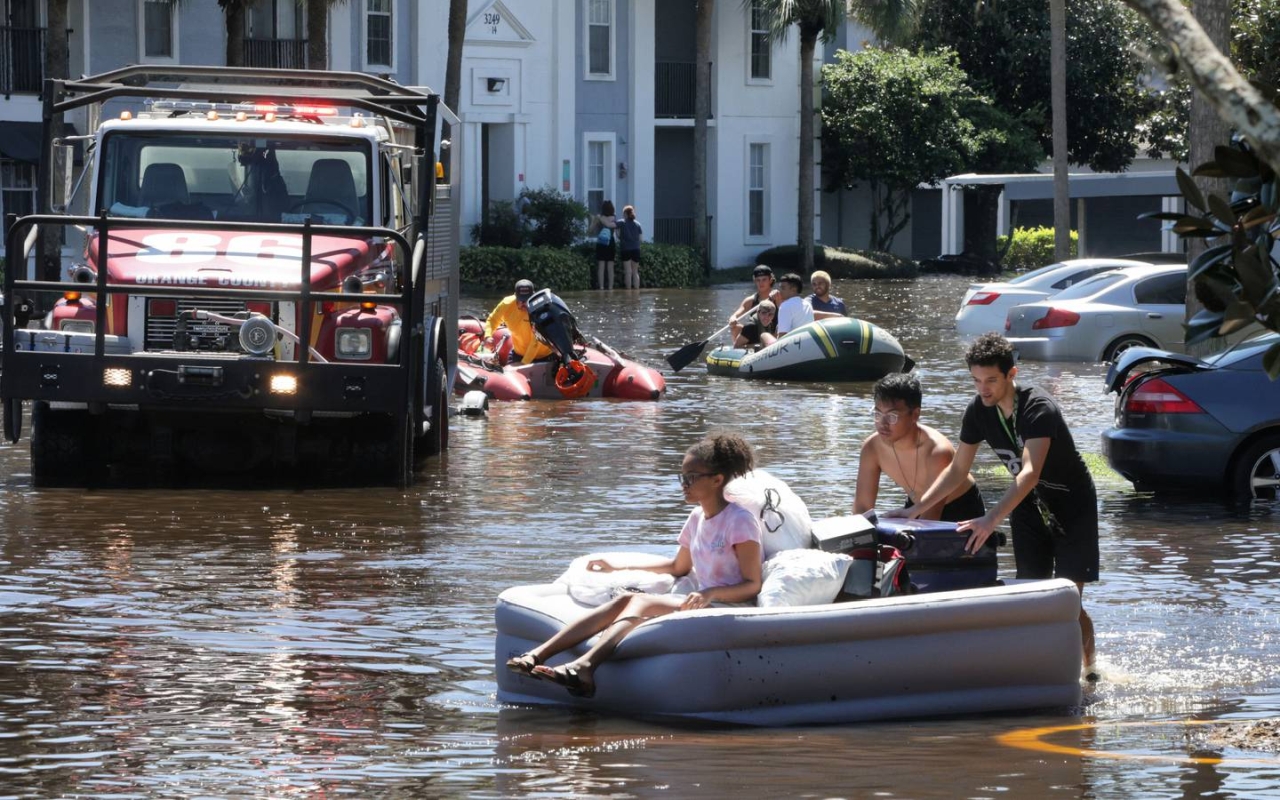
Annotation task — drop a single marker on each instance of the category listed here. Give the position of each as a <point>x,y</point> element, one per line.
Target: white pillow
<point>597,588</point>
<point>803,578</point>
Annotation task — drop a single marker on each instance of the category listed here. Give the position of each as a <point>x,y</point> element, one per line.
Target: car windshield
<point>243,178</point>
<point>1090,286</point>
<point>1035,273</point>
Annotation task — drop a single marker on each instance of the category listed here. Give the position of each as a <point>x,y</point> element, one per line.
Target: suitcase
<point>937,559</point>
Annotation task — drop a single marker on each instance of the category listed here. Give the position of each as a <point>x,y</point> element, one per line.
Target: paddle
<point>686,355</point>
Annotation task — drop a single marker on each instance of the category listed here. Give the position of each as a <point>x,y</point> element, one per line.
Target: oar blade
<point>686,355</point>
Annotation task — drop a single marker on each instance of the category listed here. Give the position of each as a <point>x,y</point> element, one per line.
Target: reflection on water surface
<point>177,643</point>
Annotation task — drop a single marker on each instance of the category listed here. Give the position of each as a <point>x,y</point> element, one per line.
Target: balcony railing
<point>21,60</point>
<point>275,53</point>
<point>674,85</point>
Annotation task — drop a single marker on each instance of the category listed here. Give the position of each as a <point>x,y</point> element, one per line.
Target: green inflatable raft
<point>838,349</point>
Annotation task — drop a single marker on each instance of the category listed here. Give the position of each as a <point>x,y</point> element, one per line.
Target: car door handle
<point>1154,315</point>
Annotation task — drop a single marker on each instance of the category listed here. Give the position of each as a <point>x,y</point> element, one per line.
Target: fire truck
<point>267,277</point>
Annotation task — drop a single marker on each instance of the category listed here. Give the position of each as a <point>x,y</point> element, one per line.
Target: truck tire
<point>61,450</point>
<point>436,440</point>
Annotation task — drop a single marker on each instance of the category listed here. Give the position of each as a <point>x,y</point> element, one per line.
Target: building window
<point>757,189</point>
<point>599,178</point>
<point>17,188</point>
<point>600,38</point>
<point>377,33</point>
<point>761,51</point>
<point>159,25</point>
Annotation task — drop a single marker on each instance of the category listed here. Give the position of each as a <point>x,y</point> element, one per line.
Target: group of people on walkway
<point>776,307</point>
<point>613,235</point>
<point>1051,505</point>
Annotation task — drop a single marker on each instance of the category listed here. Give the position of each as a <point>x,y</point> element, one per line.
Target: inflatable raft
<point>581,366</point>
<point>922,655</point>
<point>836,349</point>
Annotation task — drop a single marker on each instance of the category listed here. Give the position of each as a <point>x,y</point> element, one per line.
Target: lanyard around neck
<point>1011,424</point>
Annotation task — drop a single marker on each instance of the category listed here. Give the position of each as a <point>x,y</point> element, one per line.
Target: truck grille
<point>160,329</point>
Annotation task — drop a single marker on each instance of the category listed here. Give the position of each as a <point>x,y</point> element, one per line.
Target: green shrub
<point>1032,248</point>
<point>868,264</point>
<point>554,219</point>
<point>669,265</point>
<point>502,227</point>
<point>841,263</point>
<point>498,268</point>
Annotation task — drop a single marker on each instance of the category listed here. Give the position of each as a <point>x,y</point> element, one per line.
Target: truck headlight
<point>76,326</point>
<point>354,343</point>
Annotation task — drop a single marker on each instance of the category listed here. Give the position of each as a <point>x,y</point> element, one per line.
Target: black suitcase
<point>937,559</point>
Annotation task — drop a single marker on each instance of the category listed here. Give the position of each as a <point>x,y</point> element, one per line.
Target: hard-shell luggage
<point>938,561</point>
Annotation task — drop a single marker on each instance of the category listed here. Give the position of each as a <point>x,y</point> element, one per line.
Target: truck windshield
<point>167,175</point>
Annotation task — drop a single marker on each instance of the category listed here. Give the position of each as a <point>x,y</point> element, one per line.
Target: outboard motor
<point>554,323</point>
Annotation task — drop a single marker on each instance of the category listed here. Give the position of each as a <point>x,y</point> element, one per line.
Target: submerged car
<point>1101,317</point>
<point>1207,425</point>
<point>985,305</point>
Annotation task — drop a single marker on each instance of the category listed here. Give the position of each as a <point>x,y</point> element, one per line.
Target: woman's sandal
<point>570,677</point>
<point>523,664</point>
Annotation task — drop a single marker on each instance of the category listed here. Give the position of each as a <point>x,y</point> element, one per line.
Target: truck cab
<point>267,281</point>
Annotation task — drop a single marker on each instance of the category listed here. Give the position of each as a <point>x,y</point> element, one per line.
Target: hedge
<point>1032,248</point>
<point>840,263</point>
<point>574,268</point>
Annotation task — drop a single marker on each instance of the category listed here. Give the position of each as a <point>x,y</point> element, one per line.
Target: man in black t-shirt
<point>1052,505</point>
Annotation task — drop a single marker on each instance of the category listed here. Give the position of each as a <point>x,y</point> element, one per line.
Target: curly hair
<point>898,386</point>
<point>726,454</point>
<point>991,350</point>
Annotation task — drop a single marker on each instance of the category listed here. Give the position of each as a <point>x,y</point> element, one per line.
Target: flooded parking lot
<point>306,643</point>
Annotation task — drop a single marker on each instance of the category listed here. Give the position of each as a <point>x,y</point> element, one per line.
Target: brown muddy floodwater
<point>161,643</point>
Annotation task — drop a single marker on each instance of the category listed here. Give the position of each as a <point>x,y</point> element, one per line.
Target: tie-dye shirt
<point>711,541</point>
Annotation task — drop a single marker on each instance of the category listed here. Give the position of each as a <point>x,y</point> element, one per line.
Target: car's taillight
<point>1156,396</point>
<point>1056,318</point>
<point>983,299</point>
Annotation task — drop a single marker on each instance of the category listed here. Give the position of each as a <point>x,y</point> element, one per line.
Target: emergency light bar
<point>248,108</point>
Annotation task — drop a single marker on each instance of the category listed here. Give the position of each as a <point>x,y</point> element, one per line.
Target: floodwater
<point>340,643</point>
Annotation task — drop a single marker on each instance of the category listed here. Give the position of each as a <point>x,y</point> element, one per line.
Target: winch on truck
<point>268,277</point>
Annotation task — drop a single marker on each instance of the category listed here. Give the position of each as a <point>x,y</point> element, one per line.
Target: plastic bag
<point>784,518</point>
<point>597,588</point>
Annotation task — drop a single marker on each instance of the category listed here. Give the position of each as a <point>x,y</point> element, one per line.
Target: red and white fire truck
<point>268,278</point>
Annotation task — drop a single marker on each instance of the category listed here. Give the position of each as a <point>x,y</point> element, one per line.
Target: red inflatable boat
<point>578,369</point>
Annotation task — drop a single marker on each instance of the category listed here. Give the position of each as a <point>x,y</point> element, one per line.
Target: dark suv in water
<point>1205,426</point>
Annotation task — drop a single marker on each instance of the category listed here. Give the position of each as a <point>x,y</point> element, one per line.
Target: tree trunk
<point>57,65</point>
<point>804,236</point>
<point>701,114</point>
<point>1214,76</point>
<point>235,11</point>
<point>318,34</point>
<point>1207,131</point>
<point>453,69</point>
<point>1058,104</point>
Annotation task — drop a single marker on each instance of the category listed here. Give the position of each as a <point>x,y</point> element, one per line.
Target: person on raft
<point>761,331</point>
<point>719,544</point>
<point>825,306</point>
<point>794,310</point>
<point>911,454</point>
<point>510,320</point>
<point>762,275</point>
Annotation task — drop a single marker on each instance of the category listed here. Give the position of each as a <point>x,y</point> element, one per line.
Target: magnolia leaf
<point>1256,278</point>
<point>1209,169</point>
<point>1221,209</point>
<point>1271,361</point>
<point>1211,257</point>
<point>1257,216</point>
<point>1189,223</point>
<point>1202,327</point>
<point>1168,216</point>
<point>1236,163</point>
<point>1189,190</point>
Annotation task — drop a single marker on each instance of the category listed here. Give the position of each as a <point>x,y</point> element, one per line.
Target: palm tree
<point>887,19</point>
<point>317,12</point>
<point>235,11</point>
<point>701,114</point>
<point>57,65</point>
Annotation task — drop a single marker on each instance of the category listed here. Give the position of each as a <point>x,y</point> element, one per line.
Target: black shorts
<point>631,255</point>
<point>605,252</point>
<point>1071,553</point>
<point>967,506</point>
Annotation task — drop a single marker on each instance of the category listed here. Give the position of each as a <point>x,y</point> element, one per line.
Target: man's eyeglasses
<point>890,417</point>
<point>687,479</point>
